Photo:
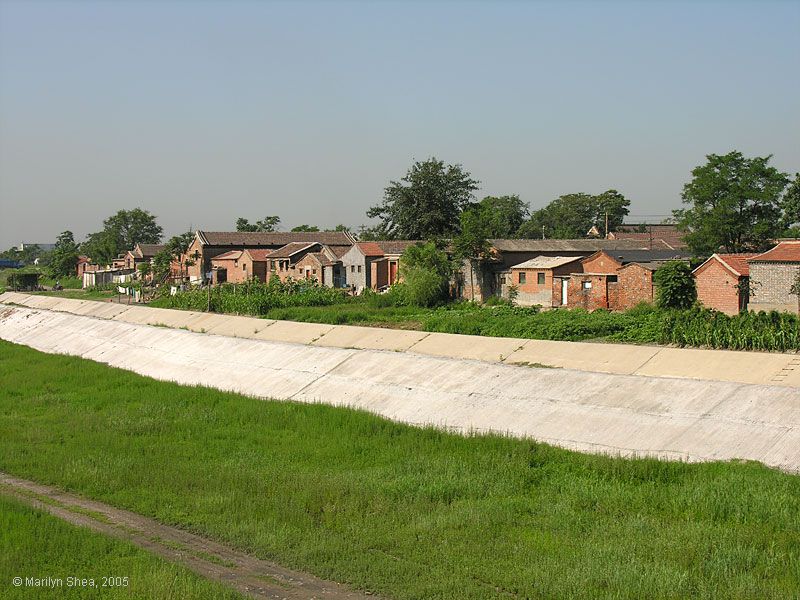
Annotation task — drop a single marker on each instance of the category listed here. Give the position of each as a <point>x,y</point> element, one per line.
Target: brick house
<point>85,264</point>
<point>208,244</point>
<point>771,277</point>
<point>303,260</point>
<point>239,266</point>
<point>722,282</point>
<point>357,265</point>
<point>617,280</point>
<point>542,281</point>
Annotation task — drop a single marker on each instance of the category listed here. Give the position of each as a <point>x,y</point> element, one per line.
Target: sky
<point>202,112</point>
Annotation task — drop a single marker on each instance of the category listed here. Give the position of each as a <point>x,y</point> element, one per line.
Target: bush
<point>675,285</point>
<point>426,272</point>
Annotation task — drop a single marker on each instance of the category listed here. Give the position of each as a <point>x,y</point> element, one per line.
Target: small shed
<point>772,275</point>
<point>723,282</point>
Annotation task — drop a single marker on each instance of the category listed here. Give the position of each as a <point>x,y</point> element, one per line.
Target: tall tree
<point>734,204</point>
<point>268,223</point>
<point>305,228</point>
<point>64,258</point>
<point>790,204</point>
<point>102,247</point>
<point>574,215</point>
<point>426,203</point>
<point>503,215</point>
<point>133,227</point>
<point>471,244</point>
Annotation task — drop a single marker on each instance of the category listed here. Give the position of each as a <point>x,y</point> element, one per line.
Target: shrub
<point>675,285</point>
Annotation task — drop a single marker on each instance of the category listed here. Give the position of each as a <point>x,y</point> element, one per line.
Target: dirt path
<point>249,575</point>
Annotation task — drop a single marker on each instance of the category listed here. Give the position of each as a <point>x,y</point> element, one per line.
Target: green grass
<point>410,513</point>
<point>36,544</point>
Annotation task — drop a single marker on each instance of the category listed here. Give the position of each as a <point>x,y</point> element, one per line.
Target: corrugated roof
<point>274,238</point>
<point>580,245</point>
<point>783,252</point>
<point>546,262</point>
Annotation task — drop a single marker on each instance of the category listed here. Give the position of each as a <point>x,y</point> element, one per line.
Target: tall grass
<point>405,512</point>
<point>36,544</point>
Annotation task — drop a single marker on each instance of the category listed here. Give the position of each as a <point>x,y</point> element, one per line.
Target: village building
<point>304,260</point>
<point>723,282</point>
<point>542,281</point>
<point>772,275</point>
<point>207,245</point>
<point>617,280</point>
<point>653,236</point>
<point>84,264</point>
<point>140,253</point>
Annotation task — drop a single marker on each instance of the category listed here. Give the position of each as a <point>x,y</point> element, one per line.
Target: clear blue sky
<point>204,111</point>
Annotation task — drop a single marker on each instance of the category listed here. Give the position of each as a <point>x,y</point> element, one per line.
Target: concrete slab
<point>296,333</point>
<point>105,310</point>
<point>239,326</point>
<point>604,358</point>
<point>473,347</point>
<point>720,365</point>
<point>12,298</point>
<point>597,412</point>
<point>374,338</point>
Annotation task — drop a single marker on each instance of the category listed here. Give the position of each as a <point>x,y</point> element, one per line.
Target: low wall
<point>596,412</point>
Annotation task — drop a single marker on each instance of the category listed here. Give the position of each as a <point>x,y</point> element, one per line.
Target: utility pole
<point>542,231</point>
<point>606,231</point>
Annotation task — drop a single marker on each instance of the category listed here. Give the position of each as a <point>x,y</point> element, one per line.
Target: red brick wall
<point>591,299</point>
<point>716,287</point>
<point>601,263</point>
<point>635,285</point>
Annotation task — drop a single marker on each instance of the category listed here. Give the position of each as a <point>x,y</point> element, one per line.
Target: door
<point>564,291</point>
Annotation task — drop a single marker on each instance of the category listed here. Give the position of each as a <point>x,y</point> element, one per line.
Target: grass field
<point>409,513</point>
<point>36,544</point>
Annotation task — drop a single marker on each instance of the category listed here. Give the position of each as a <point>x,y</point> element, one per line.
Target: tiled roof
<point>643,256</point>
<point>668,233</point>
<point>232,255</point>
<point>783,252</point>
<point>370,248</point>
<point>259,254</point>
<point>580,245</point>
<point>291,249</point>
<point>737,262</point>
<point>546,262</point>
<point>148,250</point>
<point>275,239</point>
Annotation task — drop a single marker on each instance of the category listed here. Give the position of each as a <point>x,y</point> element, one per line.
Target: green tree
<point>102,247</point>
<point>64,258</point>
<point>426,203</point>
<point>268,223</point>
<point>426,271</point>
<point>572,216</point>
<point>308,228</point>
<point>790,204</point>
<point>133,227</point>
<point>471,244</point>
<point>504,215</point>
<point>734,204</point>
<point>145,269</point>
<point>675,285</point>
<point>162,265</point>
<point>176,248</point>
<point>340,227</point>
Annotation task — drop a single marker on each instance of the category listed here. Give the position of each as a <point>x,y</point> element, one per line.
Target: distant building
<point>44,247</point>
<point>652,235</point>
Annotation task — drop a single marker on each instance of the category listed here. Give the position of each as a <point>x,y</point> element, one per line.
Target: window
<point>359,268</point>
<point>522,277</point>
<point>587,285</point>
<point>353,268</point>
<point>612,278</point>
<point>313,271</point>
<point>502,278</point>
<point>244,267</point>
<point>540,278</point>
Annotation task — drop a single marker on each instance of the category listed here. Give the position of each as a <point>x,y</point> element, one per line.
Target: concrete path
<point>629,415</point>
<point>652,361</point>
<point>245,573</point>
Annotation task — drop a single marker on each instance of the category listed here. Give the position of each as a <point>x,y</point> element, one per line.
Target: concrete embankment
<point>588,411</point>
<point>653,361</point>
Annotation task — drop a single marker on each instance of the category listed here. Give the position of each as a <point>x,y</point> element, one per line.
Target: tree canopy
<point>426,272</point>
<point>574,215</point>
<point>121,232</point>
<point>425,203</point>
<point>268,223</point>
<point>304,227</point>
<point>734,204</point>
<point>502,215</point>
<point>64,258</point>
<point>790,204</point>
